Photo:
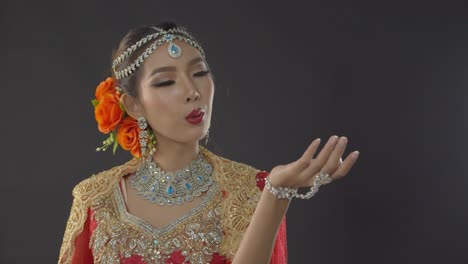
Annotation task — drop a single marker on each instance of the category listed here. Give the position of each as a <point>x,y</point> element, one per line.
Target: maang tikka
<point>159,37</point>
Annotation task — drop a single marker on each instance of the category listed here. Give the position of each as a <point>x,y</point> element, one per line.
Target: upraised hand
<point>301,172</point>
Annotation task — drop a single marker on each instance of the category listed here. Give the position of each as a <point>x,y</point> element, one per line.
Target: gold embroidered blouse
<point>101,230</point>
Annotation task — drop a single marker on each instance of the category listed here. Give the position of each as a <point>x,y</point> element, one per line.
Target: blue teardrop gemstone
<point>200,178</point>
<point>170,190</point>
<point>187,186</point>
<point>174,50</point>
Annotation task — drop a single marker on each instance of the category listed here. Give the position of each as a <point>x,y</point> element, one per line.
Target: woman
<point>177,202</point>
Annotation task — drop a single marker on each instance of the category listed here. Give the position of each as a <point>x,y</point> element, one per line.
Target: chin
<point>195,137</point>
<point>195,133</point>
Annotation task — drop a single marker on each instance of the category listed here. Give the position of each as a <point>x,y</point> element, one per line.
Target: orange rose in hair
<point>107,112</point>
<point>105,87</point>
<point>127,136</point>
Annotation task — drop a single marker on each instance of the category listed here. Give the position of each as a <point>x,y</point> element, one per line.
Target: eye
<point>201,73</point>
<point>166,83</point>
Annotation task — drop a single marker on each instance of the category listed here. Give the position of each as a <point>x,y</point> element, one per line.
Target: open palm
<point>301,173</point>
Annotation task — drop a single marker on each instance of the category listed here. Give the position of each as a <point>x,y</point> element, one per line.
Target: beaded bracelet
<point>289,193</point>
<point>280,192</point>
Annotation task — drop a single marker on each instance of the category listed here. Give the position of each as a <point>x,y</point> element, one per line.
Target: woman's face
<point>169,89</point>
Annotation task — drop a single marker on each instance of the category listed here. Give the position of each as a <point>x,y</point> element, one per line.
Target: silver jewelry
<point>170,188</point>
<point>143,136</point>
<point>280,192</point>
<point>323,178</point>
<point>165,36</point>
<point>289,192</point>
<point>146,139</point>
<point>319,180</point>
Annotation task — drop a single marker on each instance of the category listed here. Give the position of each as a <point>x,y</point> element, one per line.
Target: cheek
<point>160,107</point>
<point>208,88</point>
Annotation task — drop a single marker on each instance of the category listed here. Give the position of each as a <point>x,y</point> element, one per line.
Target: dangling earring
<point>146,138</point>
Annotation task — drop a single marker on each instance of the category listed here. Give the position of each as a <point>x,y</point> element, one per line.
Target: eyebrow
<point>172,68</point>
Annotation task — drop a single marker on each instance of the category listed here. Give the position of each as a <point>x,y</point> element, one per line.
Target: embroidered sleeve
<point>75,243</point>
<point>242,187</point>
<point>82,252</point>
<point>84,193</point>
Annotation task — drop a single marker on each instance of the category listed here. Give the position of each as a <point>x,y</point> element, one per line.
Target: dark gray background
<point>389,75</point>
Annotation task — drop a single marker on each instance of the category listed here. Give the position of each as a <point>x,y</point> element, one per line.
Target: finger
<point>322,157</point>
<point>346,166</point>
<point>316,164</point>
<point>304,161</point>
<point>333,161</point>
<point>310,151</point>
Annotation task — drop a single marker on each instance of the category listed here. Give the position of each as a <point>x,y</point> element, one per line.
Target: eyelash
<point>167,83</point>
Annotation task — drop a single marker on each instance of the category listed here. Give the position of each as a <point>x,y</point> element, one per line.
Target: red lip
<point>195,117</point>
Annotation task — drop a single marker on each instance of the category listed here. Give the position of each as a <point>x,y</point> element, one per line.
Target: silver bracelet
<point>280,192</point>
<point>319,180</point>
<point>289,193</point>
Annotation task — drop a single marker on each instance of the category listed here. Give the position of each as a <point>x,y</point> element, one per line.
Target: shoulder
<point>85,194</point>
<point>228,165</point>
<point>233,174</point>
<point>103,181</point>
<point>236,167</point>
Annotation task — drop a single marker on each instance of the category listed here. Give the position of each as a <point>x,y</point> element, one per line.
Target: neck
<point>172,156</point>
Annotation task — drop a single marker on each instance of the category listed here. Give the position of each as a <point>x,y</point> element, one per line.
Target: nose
<point>192,96</point>
<point>192,93</point>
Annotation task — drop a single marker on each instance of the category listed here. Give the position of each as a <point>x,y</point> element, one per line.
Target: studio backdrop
<point>391,76</point>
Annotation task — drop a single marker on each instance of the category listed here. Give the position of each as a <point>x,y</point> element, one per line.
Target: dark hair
<point>129,84</point>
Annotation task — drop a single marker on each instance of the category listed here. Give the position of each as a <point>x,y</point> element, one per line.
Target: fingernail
<point>342,141</point>
<point>355,154</point>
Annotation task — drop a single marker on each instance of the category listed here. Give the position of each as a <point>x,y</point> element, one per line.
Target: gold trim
<point>84,193</point>
<point>234,179</point>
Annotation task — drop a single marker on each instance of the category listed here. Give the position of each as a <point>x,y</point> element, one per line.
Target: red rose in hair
<point>108,113</point>
<point>105,87</point>
<point>127,136</point>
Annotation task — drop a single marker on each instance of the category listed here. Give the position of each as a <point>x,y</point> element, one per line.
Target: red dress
<point>101,230</point>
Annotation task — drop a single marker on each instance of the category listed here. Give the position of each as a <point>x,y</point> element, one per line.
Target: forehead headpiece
<point>160,37</point>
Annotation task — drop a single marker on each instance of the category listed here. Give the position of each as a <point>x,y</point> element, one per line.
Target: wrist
<point>280,192</point>
<point>275,202</point>
<point>275,180</point>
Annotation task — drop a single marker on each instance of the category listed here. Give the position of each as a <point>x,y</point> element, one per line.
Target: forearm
<point>258,241</point>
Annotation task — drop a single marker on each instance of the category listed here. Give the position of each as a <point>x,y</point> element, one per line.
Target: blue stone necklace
<point>170,188</point>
